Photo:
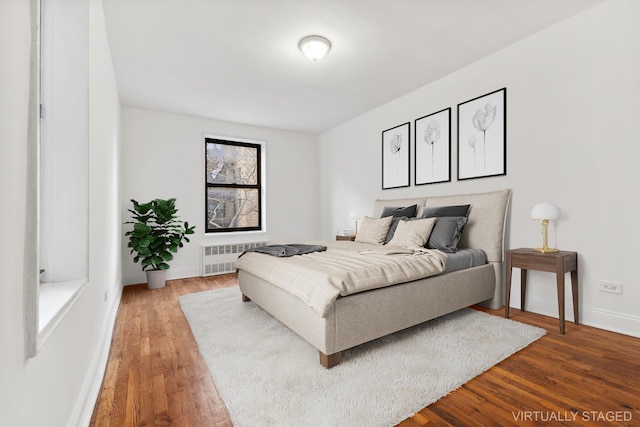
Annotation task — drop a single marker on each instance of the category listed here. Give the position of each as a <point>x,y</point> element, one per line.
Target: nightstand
<point>352,238</point>
<point>560,262</point>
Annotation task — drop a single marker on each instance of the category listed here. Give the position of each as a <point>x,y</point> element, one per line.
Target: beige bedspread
<point>344,268</point>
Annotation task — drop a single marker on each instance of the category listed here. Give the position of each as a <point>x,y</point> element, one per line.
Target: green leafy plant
<point>157,233</point>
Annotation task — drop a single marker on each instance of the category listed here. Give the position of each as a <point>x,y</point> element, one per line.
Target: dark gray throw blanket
<point>286,250</point>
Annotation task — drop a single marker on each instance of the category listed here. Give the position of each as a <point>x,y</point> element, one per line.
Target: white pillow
<point>374,230</point>
<point>413,233</point>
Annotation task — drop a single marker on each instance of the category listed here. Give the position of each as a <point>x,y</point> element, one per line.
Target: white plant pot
<point>156,278</point>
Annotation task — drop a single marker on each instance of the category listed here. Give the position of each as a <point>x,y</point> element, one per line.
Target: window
<point>61,144</point>
<point>233,190</point>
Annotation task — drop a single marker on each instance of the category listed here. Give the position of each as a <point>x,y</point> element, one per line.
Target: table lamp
<point>356,216</point>
<point>545,212</point>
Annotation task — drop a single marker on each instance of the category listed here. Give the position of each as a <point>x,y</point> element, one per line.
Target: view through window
<point>233,186</point>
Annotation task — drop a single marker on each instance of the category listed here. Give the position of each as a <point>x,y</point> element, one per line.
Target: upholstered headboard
<point>487,218</point>
<point>484,230</point>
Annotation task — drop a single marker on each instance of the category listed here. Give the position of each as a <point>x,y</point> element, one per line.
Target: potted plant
<point>157,234</point>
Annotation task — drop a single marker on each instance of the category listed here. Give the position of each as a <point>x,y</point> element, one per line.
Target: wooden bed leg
<point>331,360</point>
<point>245,298</point>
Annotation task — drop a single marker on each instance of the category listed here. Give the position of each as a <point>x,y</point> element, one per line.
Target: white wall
<point>573,99</point>
<point>58,387</point>
<point>163,157</point>
<point>15,34</point>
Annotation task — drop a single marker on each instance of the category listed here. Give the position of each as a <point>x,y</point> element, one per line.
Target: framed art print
<point>432,138</point>
<point>482,136</point>
<point>395,157</point>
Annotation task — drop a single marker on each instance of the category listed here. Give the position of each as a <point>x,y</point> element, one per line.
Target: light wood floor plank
<point>156,377</point>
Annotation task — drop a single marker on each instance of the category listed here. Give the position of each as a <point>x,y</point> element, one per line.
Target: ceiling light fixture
<point>314,47</point>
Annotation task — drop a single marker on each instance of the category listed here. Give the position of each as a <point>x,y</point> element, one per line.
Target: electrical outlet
<point>609,286</point>
<point>106,295</point>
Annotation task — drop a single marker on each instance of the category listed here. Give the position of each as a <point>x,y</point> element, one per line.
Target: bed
<point>362,316</point>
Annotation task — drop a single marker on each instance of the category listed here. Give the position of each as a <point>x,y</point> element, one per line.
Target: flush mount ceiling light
<point>314,47</point>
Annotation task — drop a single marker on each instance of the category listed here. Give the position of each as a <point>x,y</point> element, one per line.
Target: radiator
<point>221,259</point>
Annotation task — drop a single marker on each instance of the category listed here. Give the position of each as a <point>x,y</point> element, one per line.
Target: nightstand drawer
<point>531,260</point>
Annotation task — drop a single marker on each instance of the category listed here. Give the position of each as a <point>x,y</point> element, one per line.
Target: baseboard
<point>611,321</point>
<point>602,319</point>
<point>172,273</point>
<point>81,416</point>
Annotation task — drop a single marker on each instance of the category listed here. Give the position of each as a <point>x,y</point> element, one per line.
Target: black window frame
<point>257,186</point>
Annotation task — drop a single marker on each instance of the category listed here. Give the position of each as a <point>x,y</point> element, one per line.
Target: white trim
<point>233,138</point>
<point>32,217</point>
<point>263,181</point>
<point>83,409</point>
<point>46,304</point>
<point>603,319</point>
<point>54,302</point>
<point>172,274</point>
<point>234,236</point>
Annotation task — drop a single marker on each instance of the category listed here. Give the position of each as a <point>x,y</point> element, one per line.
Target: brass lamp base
<point>546,250</point>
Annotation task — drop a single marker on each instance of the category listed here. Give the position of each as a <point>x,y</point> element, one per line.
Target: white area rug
<point>269,376</point>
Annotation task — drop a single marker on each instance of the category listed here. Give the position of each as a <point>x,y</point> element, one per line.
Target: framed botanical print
<point>482,136</point>
<point>432,141</point>
<point>395,156</point>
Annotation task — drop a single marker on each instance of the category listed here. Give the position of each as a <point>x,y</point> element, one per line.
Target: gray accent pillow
<point>459,210</point>
<point>392,228</point>
<point>409,211</point>
<point>446,233</point>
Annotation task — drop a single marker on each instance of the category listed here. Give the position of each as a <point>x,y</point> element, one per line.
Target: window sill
<point>232,236</point>
<point>54,301</point>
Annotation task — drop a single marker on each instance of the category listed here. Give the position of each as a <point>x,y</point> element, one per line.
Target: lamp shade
<point>545,211</point>
<point>314,47</point>
<point>356,215</point>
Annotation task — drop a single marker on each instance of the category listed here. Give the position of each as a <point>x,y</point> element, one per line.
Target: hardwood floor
<point>156,377</point>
